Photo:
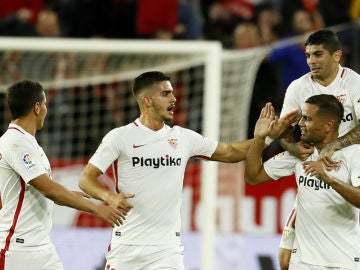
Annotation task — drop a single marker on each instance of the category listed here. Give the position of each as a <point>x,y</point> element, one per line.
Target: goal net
<point>88,85</point>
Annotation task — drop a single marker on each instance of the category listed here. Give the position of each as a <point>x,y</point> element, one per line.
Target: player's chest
<point>170,144</point>
<point>311,184</point>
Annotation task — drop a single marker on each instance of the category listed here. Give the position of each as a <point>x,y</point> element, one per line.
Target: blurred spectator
<point>47,24</point>
<point>304,22</point>
<point>290,7</point>
<point>335,11</point>
<point>222,16</point>
<point>291,56</point>
<point>354,10</point>
<point>267,81</point>
<point>189,22</point>
<point>269,22</point>
<point>151,18</point>
<point>22,10</point>
<point>246,35</point>
<point>168,19</point>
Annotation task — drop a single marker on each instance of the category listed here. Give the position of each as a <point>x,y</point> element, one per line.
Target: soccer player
<point>27,189</point>
<point>323,54</point>
<point>149,159</point>
<point>327,219</point>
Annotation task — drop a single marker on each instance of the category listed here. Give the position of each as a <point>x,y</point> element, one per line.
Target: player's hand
<point>280,125</point>
<point>316,169</point>
<point>263,124</point>
<point>302,150</point>
<point>326,154</point>
<point>119,201</point>
<point>114,217</point>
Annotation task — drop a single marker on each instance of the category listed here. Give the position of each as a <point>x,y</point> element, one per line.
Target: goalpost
<point>88,93</point>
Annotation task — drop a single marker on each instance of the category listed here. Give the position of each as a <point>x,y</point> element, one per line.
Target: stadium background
<point>249,219</point>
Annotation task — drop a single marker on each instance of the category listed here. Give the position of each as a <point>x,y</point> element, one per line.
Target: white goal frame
<point>209,51</point>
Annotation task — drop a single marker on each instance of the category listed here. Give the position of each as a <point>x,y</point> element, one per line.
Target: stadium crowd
<point>238,24</point>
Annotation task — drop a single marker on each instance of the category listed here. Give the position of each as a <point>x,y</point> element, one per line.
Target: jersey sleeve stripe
<point>202,157</point>
<point>16,217</point>
<point>115,173</point>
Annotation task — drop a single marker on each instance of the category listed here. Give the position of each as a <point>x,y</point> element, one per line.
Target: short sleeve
<point>281,165</point>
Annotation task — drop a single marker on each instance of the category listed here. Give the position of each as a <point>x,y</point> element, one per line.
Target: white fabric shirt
<point>151,165</point>
<point>327,226</point>
<point>346,87</point>
<point>25,211</point>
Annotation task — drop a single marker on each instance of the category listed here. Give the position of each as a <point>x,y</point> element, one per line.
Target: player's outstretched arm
<point>90,184</point>
<point>236,152</point>
<point>62,196</point>
<point>254,170</point>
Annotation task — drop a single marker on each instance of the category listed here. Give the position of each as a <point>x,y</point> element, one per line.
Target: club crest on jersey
<point>28,162</point>
<point>172,142</point>
<point>341,98</point>
<point>280,155</point>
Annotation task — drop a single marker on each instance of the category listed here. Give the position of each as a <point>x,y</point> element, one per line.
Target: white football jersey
<point>151,165</point>
<point>346,87</point>
<point>327,226</point>
<point>26,215</point>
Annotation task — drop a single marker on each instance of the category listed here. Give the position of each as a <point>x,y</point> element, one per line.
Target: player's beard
<point>169,122</point>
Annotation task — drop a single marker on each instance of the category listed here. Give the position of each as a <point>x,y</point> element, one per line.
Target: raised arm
<point>235,152</point>
<point>254,169</point>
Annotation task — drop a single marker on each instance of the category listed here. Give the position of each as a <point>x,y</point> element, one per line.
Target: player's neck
<point>329,139</point>
<point>329,79</point>
<point>28,126</point>
<point>151,123</point>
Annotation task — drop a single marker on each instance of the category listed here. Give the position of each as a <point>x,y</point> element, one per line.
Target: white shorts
<point>46,259</point>
<point>130,257</point>
<point>288,234</point>
<point>296,264</point>
<point>305,266</point>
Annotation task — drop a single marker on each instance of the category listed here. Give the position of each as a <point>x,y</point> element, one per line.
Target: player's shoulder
<point>350,150</point>
<point>302,81</point>
<point>12,140</point>
<point>184,132</point>
<point>13,134</point>
<point>285,155</point>
<point>349,75</point>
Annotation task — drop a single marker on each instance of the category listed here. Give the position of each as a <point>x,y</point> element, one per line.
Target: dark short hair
<point>328,105</point>
<point>22,96</point>
<point>147,79</point>
<point>327,38</point>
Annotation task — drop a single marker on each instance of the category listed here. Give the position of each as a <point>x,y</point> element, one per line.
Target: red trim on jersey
<point>12,228</point>
<point>135,124</point>
<point>115,172</point>
<point>342,73</point>
<point>16,129</point>
<point>202,157</point>
<point>291,219</point>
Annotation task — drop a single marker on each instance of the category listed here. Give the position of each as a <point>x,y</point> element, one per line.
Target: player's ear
<point>337,55</point>
<point>147,100</point>
<point>331,124</point>
<point>37,108</point>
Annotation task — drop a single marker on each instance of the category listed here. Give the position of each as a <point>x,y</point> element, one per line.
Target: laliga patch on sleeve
<point>280,155</point>
<point>28,161</point>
